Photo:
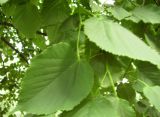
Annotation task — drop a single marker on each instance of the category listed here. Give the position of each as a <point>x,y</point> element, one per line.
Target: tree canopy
<point>80,58</point>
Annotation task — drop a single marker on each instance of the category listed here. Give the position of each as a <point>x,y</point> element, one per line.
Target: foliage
<point>92,59</point>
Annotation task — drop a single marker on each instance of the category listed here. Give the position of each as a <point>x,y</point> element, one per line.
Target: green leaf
<point>3,1</point>
<point>115,39</point>
<point>55,81</point>
<point>39,41</point>
<point>54,11</point>
<point>126,92</point>
<point>103,107</point>
<point>99,65</point>
<point>99,107</point>
<point>148,73</point>
<point>148,14</point>
<point>27,19</point>
<point>153,42</point>
<point>152,93</point>
<point>64,31</point>
<point>119,13</point>
<point>122,107</point>
<point>55,15</point>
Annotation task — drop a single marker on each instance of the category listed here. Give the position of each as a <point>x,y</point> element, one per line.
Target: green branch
<point>111,80</point>
<point>79,33</point>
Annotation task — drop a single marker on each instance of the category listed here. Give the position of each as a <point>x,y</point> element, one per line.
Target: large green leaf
<point>27,19</point>
<point>103,107</point>
<point>115,39</point>
<point>152,93</point>
<point>148,14</point>
<point>55,81</point>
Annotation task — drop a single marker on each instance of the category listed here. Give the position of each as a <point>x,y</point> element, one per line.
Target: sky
<point>111,2</point>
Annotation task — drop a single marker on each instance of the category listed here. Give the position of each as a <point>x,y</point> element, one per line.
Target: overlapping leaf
<point>54,11</point>
<point>27,19</point>
<point>119,13</point>
<point>55,81</point>
<point>152,93</point>
<point>148,14</point>
<point>103,107</point>
<point>148,73</point>
<point>115,39</point>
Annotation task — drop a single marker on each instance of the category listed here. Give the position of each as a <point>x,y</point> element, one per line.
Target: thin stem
<point>126,71</point>
<point>111,80</point>
<point>95,55</point>
<point>143,83</point>
<point>143,3</point>
<point>104,77</point>
<point>79,33</point>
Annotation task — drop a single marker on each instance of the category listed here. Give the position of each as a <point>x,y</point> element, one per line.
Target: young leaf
<point>55,81</point>
<point>148,14</point>
<point>115,39</point>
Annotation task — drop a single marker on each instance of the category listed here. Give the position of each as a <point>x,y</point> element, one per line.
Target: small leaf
<point>148,13</point>
<point>152,93</point>
<point>115,39</point>
<point>55,81</point>
<point>119,13</point>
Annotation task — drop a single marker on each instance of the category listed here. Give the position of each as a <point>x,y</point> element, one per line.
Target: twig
<point>11,25</point>
<point>13,48</point>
